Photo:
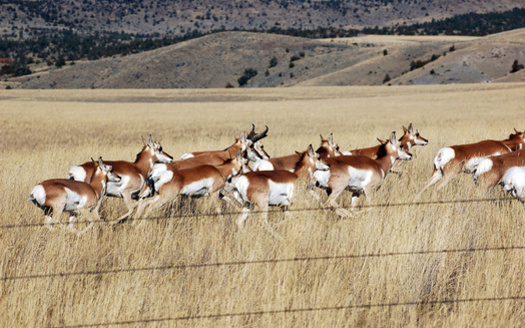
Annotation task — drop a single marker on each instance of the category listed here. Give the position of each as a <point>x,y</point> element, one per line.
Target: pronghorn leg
<point>48,220</point>
<point>145,203</point>
<point>331,202</point>
<point>71,225</point>
<point>436,176</point>
<point>235,202</point>
<point>448,173</point>
<point>56,213</point>
<point>216,197</point>
<point>264,220</point>
<point>130,204</point>
<point>242,217</point>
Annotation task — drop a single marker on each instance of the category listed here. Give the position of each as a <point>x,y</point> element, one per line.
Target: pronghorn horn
<point>255,137</point>
<point>381,141</point>
<point>411,129</point>
<point>252,133</point>
<point>331,140</point>
<point>150,142</point>
<point>93,161</point>
<point>142,138</point>
<point>516,131</point>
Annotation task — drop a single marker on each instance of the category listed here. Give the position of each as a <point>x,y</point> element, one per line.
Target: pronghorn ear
<point>321,137</point>
<point>150,142</point>
<point>331,139</point>
<point>516,131</point>
<point>230,154</point>
<point>311,152</point>
<point>405,130</point>
<point>393,138</point>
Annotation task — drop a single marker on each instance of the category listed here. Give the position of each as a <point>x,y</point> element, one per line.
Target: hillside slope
<point>219,59</point>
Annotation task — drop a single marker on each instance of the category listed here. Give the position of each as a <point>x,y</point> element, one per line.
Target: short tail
<point>38,195</point>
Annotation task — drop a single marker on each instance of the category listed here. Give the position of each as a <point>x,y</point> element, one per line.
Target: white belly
<point>198,188</point>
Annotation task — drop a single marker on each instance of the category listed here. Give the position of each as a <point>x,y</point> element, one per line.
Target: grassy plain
<point>430,265</point>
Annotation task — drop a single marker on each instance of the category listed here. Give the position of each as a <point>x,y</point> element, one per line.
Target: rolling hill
<point>220,59</point>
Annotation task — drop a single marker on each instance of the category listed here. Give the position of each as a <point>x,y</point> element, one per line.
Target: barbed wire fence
<point>67,275</point>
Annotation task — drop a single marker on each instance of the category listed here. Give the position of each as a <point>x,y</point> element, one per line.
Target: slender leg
<point>129,203</point>
<point>242,217</point>
<point>436,176</point>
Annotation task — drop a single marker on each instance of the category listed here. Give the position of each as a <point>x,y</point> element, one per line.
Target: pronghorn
<point>250,144</point>
<point>64,195</point>
<point>272,188</point>
<point>489,171</point>
<point>359,174</point>
<point>327,149</point>
<point>204,180</point>
<point>133,175</point>
<point>409,139</point>
<point>513,181</point>
<point>450,161</point>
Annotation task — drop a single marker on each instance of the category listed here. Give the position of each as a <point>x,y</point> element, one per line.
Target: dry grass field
<point>455,264</point>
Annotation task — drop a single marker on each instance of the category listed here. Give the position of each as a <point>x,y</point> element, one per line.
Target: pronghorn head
<point>309,162</point>
<point>328,147</point>
<point>395,149</point>
<point>103,173</point>
<point>256,152</point>
<point>155,149</point>
<point>519,138</point>
<point>412,137</point>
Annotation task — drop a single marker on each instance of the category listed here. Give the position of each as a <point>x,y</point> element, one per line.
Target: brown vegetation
<point>427,261</point>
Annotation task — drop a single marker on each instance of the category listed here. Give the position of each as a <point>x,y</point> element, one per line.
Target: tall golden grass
<point>45,132</point>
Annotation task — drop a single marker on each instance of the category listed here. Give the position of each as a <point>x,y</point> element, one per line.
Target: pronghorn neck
<point>386,162</point>
<point>407,140</point>
<point>229,168</point>
<point>302,168</point>
<point>514,142</point>
<point>98,183</point>
<point>145,160</point>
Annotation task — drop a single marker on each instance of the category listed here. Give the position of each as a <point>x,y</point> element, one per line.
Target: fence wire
<point>292,210</point>
<point>297,310</point>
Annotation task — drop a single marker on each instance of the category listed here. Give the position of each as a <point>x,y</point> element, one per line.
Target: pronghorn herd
<point>154,179</point>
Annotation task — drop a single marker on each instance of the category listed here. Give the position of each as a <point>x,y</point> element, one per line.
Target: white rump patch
<point>443,156</point>
<point>346,153</point>
<point>186,156</point>
<point>482,166</point>
<point>263,165</point>
<point>241,185</point>
<point>280,193</point>
<point>74,201</point>
<point>514,182</point>
<point>162,178</point>
<point>77,173</point>
<point>39,194</point>
<point>198,188</point>
<point>322,177</point>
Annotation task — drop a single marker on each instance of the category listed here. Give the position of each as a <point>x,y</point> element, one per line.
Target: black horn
<point>254,137</point>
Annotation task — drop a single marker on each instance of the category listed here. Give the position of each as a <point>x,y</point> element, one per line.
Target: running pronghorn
<point>272,188</point>
<point>250,144</point>
<point>133,175</point>
<point>204,180</point>
<point>328,148</point>
<point>513,181</point>
<point>359,174</point>
<point>450,161</point>
<point>409,139</point>
<point>489,171</point>
<point>214,158</point>
<point>64,195</point>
